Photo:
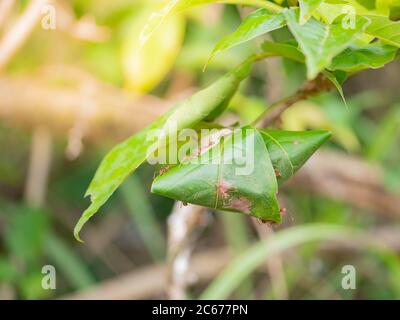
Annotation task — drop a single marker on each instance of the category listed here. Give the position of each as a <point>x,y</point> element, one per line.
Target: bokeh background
<point>78,85</point>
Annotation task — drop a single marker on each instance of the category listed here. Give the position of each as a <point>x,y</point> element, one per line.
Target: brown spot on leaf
<point>165,169</point>
<point>278,173</point>
<point>296,142</point>
<point>267,222</point>
<point>223,188</point>
<point>241,204</point>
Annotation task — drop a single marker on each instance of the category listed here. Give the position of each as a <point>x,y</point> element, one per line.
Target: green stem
<point>274,106</point>
<point>257,3</point>
<point>261,56</point>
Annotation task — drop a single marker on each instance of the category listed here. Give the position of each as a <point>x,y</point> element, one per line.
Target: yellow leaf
<point>146,66</point>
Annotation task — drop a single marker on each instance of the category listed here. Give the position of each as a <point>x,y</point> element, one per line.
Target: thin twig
<point>116,113</point>
<point>81,125</point>
<point>39,166</point>
<point>275,110</point>
<point>257,3</point>
<point>6,7</point>
<point>150,281</point>
<point>310,88</point>
<point>274,264</point>
<point>184,226</point>
<point>18,33</point>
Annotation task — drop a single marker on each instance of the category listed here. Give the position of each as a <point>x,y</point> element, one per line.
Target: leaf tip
<point>86,215</point>
<point>77,230</point>
<point>212,55</point>
<point>327,134</point>
<point>322,136</point>
<point>208,61</point>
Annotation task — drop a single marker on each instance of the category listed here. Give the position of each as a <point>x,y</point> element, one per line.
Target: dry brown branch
<point>308,89</point>
<point>274,264</point>
<point>184,227</point>
<point>116,114</point>
<point>39,166</point>
<point>6,7</point>
<point>151,282</point>
<point>80,127</point>
<point>347,179</point>
<point>16,36</point>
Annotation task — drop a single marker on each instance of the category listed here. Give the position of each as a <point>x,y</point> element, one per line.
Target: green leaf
<point>372,56</point>
<point>233,175</point>
<point>328,12</point>
<point>156,19</point>
<point>116,166</point>
<point>320,42</point>
<point>289,150</point>
<point>256,24</point>
<point>337,78</point>
<point>285,50</point>
<point>307,8</point>
<point>211,179</point>
<point>385,29</point>
<point>127,156</point>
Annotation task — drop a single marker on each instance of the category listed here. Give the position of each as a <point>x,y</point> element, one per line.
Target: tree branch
<point>115,114</point>
<point>274,264</point>
<point>310,88</point>
<point>39,167</point>
<point>16,36</point>
<point>184,227</point>
<point>150,281</point>
<point>6,7</point>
